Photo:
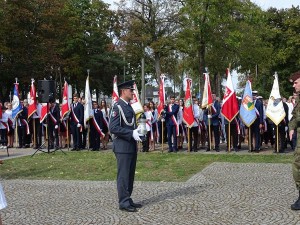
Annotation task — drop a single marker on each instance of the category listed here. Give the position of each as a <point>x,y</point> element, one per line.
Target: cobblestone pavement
<point>223,193</point>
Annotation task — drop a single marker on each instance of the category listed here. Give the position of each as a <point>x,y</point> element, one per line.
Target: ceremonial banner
<point>65,106</point>
<point>207,95</point>
<point>16,106</point>
<point>188,114</point>
<point>32,107</point>
<point>230,107</point>
<point>44,112</point>
<point>135,102</point>
<point>275,110</point>
<point>115,94</point>
<point>88,109</point>
<point>247,109</point>
<point>161,103</point>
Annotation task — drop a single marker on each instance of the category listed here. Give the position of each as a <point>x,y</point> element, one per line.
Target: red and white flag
<point>44,112</point>
<point>115,94</point>
<point>65,106</point>
<point>188,114</point>
<point>207,95</point>
<point>230,107</point>
<point>161,104</point>
<point>32,107</point>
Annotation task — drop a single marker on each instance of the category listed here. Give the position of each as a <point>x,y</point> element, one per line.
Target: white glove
<point>56,126</point>
<point>209,116</point>
<point>136,135</point>
<point>78,125</point>
<point>286,129</point>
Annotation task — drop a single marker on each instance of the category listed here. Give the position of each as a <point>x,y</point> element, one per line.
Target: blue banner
<point>16,106</point>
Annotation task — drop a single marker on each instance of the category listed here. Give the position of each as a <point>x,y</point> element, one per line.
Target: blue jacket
<point>169,114</point>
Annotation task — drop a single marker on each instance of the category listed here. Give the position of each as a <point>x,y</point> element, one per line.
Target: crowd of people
<point>210,123</point>
<point>168,127</point>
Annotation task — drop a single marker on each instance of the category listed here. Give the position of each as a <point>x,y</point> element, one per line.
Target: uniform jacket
<point>79,112</point>
<point>98,115</point>
<point>293,124</point>
<point>169,114</point>
<point>123,141</point>
<point>23,115</point>
<point>260,109</point>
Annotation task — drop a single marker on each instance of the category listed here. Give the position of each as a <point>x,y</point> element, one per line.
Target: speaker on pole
<point>46,91</point>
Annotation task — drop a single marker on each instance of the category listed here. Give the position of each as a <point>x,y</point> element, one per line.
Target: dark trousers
<point>94,139</point>
<point>126,164</point>
<point>36,132</point>
<point>77,137</point>
<point>22,136</point>
<point>215,130</point>
<point>159,123</point>
<point>53,134</point>
<point>193,138</point>
<point>233,135</point>
<point>84,136</point>
<point>255,133</point>
<point>171,129</point>
<point>282,139</point>
<point>145,142</point>
<point>3,133</point>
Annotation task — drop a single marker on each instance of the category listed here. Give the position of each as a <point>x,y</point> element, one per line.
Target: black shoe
<point>170,151</point>
<point>136,205</point>
<point>296,205</point>
<point>128,209</point>
<point>74,149</point>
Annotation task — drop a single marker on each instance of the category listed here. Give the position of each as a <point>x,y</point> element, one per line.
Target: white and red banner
<point>65,106</point>
<point>188,114</point>
<point>135,102</point>
<point>161,104</point>
<point>115,94</point>
<point>207,95</point>
<point>32,107</point>
<point>88,109</point>
<point>230,107</point>
<point>44,112</point>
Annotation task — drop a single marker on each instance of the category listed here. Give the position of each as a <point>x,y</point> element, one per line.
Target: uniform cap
<point>254,93</point>
<point>294,76</point>
<point>127,85</point>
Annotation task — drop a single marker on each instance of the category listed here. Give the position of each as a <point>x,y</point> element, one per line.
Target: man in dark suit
<point>77,115</point>
<point>171,122</point>
<point>96,123</point>
<point>258,123</point>
<point>23,126</point>
<point>54,116</point>
<point>125,136</point>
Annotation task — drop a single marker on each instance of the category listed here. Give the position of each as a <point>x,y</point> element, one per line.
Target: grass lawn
<point>154,166</point>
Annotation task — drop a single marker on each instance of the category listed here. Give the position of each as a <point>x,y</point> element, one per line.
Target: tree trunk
<point>157,65</point>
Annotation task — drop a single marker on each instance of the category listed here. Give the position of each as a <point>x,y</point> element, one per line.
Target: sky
<point>264,4</point>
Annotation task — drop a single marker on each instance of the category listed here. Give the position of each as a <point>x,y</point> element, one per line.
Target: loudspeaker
<point>46,91</point>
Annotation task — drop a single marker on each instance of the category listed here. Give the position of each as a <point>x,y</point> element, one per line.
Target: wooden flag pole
<point>88,138</point>
<point>250,141</point>
<point>16,132</point>
<point>228,138</point>
<point>189,140</point>
<point>209,130</point>
<point>34,133</point>
<point>277,139</point>
<point>68,144</point>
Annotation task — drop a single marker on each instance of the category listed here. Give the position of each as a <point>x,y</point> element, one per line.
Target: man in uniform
<point>171,114</point>
<point>294,126</point>
<point>96,124</point>
<point>54,116</point>
<point>123,126</point>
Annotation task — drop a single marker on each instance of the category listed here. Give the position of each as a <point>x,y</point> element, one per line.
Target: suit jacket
<point>98,115</point>
<point>23,115</point>
<point>260,108</point>
<point>123,141</point>
<point>169,114</point>
<point>55,114</point>
<point>79,112</point>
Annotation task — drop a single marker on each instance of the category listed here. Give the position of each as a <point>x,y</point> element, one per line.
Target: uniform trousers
<point>126,164</point>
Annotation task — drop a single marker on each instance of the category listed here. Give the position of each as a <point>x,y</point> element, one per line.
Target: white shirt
<point>180,115</point>
<point>3,120</point>
<point>291,107</point>
<point>196,112</point>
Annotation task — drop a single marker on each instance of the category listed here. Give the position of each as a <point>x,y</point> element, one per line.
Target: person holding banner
<point>11,124</point>
<point>3,127</point>
<point>172,125</point>
<point>23,128</point>
<point>95,124</point>
<point>195,127</point>
<point>294,127</point>
<point>125,133</point>
<point>77,113</point>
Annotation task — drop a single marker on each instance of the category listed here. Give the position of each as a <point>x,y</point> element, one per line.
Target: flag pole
<point>249,141</point>
<point>277,139</point>
<point>68,135</point>
<point>162,135</point>
<point>16,132</point>
<point>209,130</point>
<point>34,133</point>
<point>228,138</point>
<point>88,137</point>
<point>189,140</point>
